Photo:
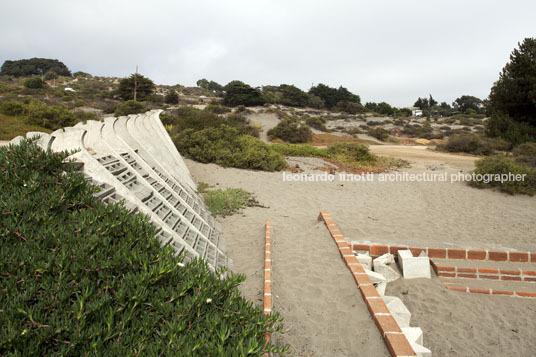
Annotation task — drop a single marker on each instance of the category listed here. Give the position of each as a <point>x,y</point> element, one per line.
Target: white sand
<point>323,310</point>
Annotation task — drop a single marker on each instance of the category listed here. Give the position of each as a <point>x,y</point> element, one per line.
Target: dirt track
<point>419,156</point>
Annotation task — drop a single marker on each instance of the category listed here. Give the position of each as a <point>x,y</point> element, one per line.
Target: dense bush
<point>171,98</point>
<point>303,150</point>
<point>349,107</point>
<point>526,154</point>
<point>502,126</point>
<point>38,113</point>
<point>292,131</point>
<point>129,107</point>
<point>332,96</point>
<point>83,278</point>
<point>355,151</point>
<point>192,118</point>
<point>34,83</point>
<point>318,123</point>
<point>12,108</point>
<point>224,145</point>
<point>502,165</point>
<point>474,144</point>
<point>34,66</point>
<point>379,133</point>
<point>239,93</point>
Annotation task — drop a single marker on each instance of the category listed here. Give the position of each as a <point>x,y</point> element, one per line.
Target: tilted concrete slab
<point>413,267</point>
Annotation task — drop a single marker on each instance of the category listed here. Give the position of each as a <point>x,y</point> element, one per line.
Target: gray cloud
<point>392,51</point>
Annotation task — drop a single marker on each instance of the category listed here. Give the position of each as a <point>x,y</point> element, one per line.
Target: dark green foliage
<point>12,108</point>
<point>466,102</point>
<point>293,96</point>
<point>300,150</point>
<point>349,107</point>
<point>425,103</point>
<point>82,74</point>
<point>355,151</point>
<point>380,108</point>
<point>129,107</point>
<point>210,85</point>
<point>171,98</point>
<point>239,93</point>
<point>34,83</point>
<point>332,96</point>
<point>144,87</point>
<point>83,278</point>
<point>218,109</point>
<point>516,132</point>
<point>223,145</point>
<point>526,154</point>
<point>503,165</point>
<point>379,133</point>
<point>318,123</point>
<point>34,66</point>
<point>474,144</point>
<point>514,94</point>
<point>196,119</point>
<point>291,130</point>
<point>425,131</point>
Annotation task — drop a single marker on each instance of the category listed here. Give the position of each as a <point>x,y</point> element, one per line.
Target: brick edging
<point>376,250</point>
<point>484,273</point>
<point>466,289</point>
<point>396,341</point>
<point>267,291</point>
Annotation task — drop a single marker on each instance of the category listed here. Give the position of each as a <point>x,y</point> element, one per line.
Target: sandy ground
<point>323,311</point>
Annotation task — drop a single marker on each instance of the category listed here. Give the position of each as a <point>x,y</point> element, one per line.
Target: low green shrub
<point>526,154</point>
<point>34,83</point>
<point>474,144</point>
<point>318,123</point>
<point>502,165</point>
<point>83,278</point>
<point>379,133</point>
<point>227,202</point>
<point>292,131</point>
<point>352,151</point>
<point>129,107</point>
<point>12,108</point>
<point>224,145</point>
<point>303,150</point>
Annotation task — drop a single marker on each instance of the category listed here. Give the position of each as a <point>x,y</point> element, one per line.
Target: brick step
<point>505,271</point>
<point>491,287</point>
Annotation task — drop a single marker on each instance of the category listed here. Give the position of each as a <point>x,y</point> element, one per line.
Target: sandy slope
<point>323,312</point>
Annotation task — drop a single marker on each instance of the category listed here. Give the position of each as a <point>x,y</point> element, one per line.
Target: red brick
<point>267,301</point>
<point>360,247</point>
<point>350,259</point>
<point>356,268</point>
<point>529,272</point>
<point>369,291</point>
<point>456,287</point>
<point>498,256</point>
<point>379,249</point>
<point>525,294</point>
<point>501,292</point>
<point>398,345</point>
<point>267,287</point>
<point>529,279</point>
<point>533,257</point>
<point>510,272</point>
<point>518,256</point>
<point>488,271</point>
<point>417,251</point>
<point>376,306</point>
<point>343,244</point>
<point>447,275</point>
<point>476,254</point>
<point>393,249</point>
<point>483,276</point>
<point>267,275</point>
<point>362,279</point>
<point>386,323</point>
<point>466,270</point>
<point>479,291</point>
<point>470,276</point>
<point>505,277</point>
<point>437,253</point>
<point>456,253</point>
<point>442,268</point>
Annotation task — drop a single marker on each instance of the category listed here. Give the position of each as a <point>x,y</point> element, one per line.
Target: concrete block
<point>413,334</point>
<point>413,267</point>
<point>420,350</point>
<point>374,277</point>
<point>399,311</point>
<point>381,288</point>
<point>365,260</point>
<point>385,259</point>
<point>385,265</point>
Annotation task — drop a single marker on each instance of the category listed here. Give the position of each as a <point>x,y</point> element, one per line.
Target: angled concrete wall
<point>133,160</point>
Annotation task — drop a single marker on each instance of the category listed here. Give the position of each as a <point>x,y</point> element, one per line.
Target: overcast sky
<point>390,50</point>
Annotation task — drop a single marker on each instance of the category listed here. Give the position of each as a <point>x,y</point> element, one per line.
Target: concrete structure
<point>413,267</point>
<point>385,265</point>
<point>132,159</point>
